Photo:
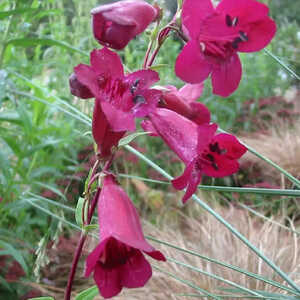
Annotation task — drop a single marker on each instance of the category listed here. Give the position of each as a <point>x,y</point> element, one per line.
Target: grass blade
<point>28,42</point>
<point>188,283</point>
<point>285,66</point>
<point>268,161</point>
<point>216,277</point>
<point>223,221</point>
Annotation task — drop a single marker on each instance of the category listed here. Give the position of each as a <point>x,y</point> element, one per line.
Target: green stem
<point>267,219</point>
<point>282,64</point>
<point>229,266</point>
<point>263,191</point>
<point>246,242</point>
<point>188,283</point>
<point>4,41</point>
<point>242,288</point>
<point>270,162</point>
<point>250,274</point>
<point>221,220</point>
<point>149,162</point>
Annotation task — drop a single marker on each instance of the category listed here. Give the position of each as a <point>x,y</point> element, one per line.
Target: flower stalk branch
<point>91,211</point>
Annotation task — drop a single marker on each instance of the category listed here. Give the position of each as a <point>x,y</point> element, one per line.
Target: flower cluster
<point>212,37</point>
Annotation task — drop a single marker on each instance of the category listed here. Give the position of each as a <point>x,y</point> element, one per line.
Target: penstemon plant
<point>212,37</point>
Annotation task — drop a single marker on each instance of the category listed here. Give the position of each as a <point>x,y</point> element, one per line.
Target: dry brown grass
<point>197,230</point>
<point>281,144</point>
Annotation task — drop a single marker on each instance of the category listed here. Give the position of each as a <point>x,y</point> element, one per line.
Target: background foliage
<point>40,144</point>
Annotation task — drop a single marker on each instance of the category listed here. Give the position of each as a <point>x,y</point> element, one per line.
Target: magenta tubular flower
<point>115,24</point>
<point>103,134</point>
<point>78,89</point>
<point>217,156</point>
<point>178,132</point>
<point>120,98</point>
<point>183,101</point>
<point>202,151</point>
<point>118,260</point>
<point>215,37</point>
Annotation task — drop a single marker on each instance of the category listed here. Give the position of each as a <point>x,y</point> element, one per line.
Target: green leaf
<point>51,188</point>
<point>15,254</point>
<point>129,138</point>
<point>88,294</point>
<point>267,295</point>
<point>91,227</point>
<point>5,166</point>
<point>276,295</point>
<point>42,298</point>
<point>4,283</point>
<point>10,116</point>
<point>79,210</point>
<point>48,12</point>
<point>5,14</point>
<point>28,42</point>
<point>158,67</point>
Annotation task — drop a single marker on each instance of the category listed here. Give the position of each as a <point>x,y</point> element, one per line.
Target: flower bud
<point>114,25</point>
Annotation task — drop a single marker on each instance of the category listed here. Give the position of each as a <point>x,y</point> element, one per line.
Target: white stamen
<point>202,45</point>
<point>234,21</point>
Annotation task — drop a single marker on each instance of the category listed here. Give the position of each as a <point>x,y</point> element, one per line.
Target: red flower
<point>118,260</point>
<point>114,25</point>
<point>122,97</point>
<point>119,98</point>
<point>216,156</point>
<point>183,102</point>
<point>216,34</point>
<point>203,152</point>
<point>78,89</point>
<point>103,133</point>
<point>178,132</point>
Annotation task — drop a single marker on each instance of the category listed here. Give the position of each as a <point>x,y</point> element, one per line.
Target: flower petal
<point>205,135</point>
<point>106,63</point>
<point>200,113</point>
<point>225,167</point>
<point>178,132</point>
<point>108,281</point>
<point>99,123</point>
<point>148,127</point>
<point>92,259</point>
<point>143,79</point>
<point>103,135</point>
<point>247,11</point>
<point>193,13</point>
<point>118,217</point>
<point>118,119</point>
<point>149,100</point>
<point>226,76</point>
<point>87,77</point>
<point>136,271</point>
<point>180,182</point>
<point>191,92</point>
<point>190,179</point>
<point>78,89</point>
<point>191,65</point>
<point>234,149</point>
<point>114,25</point>
<point>113,35</point>
<point>259,35</point>
<point>156,255</point>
